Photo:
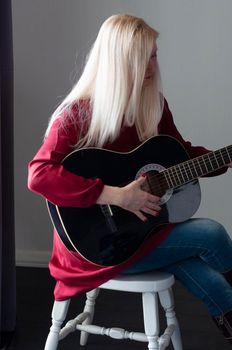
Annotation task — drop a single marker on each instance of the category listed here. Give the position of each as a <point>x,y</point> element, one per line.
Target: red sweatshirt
<point>48,178</point>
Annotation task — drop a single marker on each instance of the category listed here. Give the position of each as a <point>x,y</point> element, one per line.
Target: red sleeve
<point>50,179</point>
<point>167,127</point>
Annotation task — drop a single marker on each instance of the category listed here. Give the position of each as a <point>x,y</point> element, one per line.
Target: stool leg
<point>151,319</point>
<point>89,307</point>
<point>167,302</point>
<point>59,312</point>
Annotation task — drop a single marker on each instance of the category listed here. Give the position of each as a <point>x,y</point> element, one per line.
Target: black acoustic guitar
<point>109,235</point>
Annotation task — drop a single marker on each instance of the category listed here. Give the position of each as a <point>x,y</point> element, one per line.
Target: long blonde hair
<point>112,83</point>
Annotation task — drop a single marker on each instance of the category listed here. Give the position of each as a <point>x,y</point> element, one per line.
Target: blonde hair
<point>112,83</point>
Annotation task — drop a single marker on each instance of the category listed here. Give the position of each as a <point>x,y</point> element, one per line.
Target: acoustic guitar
<point>109,235</point>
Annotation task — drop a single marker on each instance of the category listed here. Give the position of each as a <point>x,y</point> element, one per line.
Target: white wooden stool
<point>151,285</point>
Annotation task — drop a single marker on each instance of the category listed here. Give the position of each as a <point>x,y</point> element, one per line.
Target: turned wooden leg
<point>89,308</point>
<point>59,312</point>
<point>151,319</point>
<point>167,302</point>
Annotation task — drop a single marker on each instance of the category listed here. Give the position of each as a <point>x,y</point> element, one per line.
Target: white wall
<point>51,38</point>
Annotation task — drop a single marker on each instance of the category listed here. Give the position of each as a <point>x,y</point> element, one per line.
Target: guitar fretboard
<point>189,170</point>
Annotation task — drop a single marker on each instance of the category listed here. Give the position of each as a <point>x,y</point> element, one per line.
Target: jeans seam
<point>221,269</point>
<point>216,258</point>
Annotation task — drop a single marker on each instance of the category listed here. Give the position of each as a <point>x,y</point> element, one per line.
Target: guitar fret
<point>228,154</point>
<point>216,160</point>
<point>192,169</point>
<point>213,161</point>
<point>188,170</point>
<point>225,155</point>
<point>172,177</point>
<point>178,178</point>
<point>185,174</point>
<point>181,174</point>
<point>170,183</point>
<point>220,158</point>
<point>203,165</point>
<point>200,172</point>
<point>209,164</point>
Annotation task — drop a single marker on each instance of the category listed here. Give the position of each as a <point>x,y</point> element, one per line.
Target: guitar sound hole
<point>155,183</point>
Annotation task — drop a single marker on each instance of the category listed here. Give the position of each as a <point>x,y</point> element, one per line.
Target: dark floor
<point>34,304</point>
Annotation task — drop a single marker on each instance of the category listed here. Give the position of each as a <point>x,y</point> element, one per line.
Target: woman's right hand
<point>132,198</point>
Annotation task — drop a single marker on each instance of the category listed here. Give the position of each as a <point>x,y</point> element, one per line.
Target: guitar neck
<point>182,173</point>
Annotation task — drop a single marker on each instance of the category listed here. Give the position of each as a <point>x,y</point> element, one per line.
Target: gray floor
<point>34,304</point>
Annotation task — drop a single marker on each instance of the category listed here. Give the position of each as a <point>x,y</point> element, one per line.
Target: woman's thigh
<point>204,238</point>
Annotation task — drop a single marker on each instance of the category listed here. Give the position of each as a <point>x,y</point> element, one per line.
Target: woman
<point>117,104</point>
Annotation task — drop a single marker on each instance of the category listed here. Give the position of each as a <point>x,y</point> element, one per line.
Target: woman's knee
<point>213,231</point>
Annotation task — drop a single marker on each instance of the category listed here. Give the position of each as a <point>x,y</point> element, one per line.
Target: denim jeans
<point>197,252</point>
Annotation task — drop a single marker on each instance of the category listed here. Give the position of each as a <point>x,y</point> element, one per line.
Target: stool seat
<point>155,287</point>
<point>142,282</point>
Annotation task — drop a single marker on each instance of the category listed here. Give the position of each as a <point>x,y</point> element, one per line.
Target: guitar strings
<point>209,161</point>
<point>174,173</point>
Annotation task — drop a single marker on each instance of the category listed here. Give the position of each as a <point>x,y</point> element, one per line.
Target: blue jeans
<point>197,252</point>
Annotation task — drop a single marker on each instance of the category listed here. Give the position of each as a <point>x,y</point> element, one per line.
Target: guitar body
<point>109,235</point>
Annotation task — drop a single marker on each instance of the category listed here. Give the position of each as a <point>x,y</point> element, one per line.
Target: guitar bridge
<point>108,214</point>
